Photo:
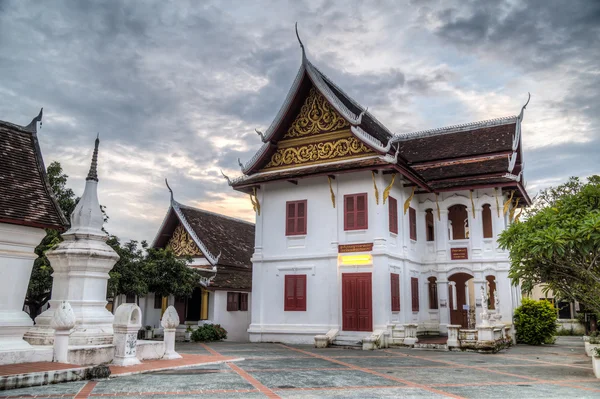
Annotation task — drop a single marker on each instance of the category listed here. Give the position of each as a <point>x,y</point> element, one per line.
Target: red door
<point>357,301</point>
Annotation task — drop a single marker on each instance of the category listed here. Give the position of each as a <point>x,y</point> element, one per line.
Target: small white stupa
<point>81,264</point>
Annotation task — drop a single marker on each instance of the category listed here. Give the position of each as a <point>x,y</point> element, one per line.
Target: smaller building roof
<point>223,240</point>
<point>26,197</point>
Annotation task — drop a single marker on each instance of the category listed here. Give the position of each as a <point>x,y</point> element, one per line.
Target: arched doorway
<point>461,296</point>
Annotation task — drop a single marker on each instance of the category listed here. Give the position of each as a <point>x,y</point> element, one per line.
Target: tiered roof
<point>225,242</point>
<point>26,197</point>
<point>469,156</point>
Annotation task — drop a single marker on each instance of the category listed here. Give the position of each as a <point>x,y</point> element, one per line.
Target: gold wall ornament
<point>375,186</point>
<point>407,202</point>
<point>437,204</point>
<point>346,147</point>
<point>507,203</point>
<point>182,244</point>
<point>386,192</point>
<point>316,116</point>
<point>256,201</point>
<point>331,191</point>
<point>253,203</point>
<point>497,204</point>
<point>519,215</point>
<point>472,204</point>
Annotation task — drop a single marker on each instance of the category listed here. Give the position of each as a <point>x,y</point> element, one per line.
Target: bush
<point>209,332</point>
<point>535,322</point>
<point>594,338</point>
<point>574,332</point>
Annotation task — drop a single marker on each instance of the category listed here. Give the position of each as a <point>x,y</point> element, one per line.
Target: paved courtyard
<point>282,371</point>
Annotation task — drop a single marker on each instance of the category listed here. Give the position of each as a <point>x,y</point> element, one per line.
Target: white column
<point>441,234</point>
<point>63,321</point>
<point>476,232</point>
<point>17,245</point>
<point>467,299</point>
<point>443,299</point>
<point>454,299</point>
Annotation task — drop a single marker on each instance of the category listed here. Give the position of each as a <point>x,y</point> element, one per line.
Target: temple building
<point>362,230</point>
<point>221,248</point>
<point>27,208</point>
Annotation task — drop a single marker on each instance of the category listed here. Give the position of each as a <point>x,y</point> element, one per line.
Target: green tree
<point>535,322</point>
<point>40,284</point>
<point>558,244</point>
<point>128,274</point>
<point>169,275</point>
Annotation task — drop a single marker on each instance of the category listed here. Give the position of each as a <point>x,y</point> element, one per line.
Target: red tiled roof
<point>26,197</point>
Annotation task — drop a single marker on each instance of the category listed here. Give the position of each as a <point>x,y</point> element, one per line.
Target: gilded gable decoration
<point>182,244</point>
<point>316,116</point>
<point>346,147</point>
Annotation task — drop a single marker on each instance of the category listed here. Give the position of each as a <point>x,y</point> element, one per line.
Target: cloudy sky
<point>176,88</point>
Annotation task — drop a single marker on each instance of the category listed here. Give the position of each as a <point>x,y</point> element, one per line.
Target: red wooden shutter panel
<point>295,218</point>
<point>301,217</point>
<point>412,219</point>
<point>301,292</point>
<point>232,301</point>
<point>349,213</point>
<point>393,215</point>
<point>395,285</point>
<point>361,211</point>
<point>290,288</point>
<point>244,301</point>
<point>414,285</point>
<point>356,212</point>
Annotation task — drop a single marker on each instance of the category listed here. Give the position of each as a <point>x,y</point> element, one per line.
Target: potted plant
<point>592,342</point>
<point>149,332</point>
<point>188,334</point>
<point>596,361</point>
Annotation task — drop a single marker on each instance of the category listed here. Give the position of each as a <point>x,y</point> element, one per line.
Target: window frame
<point>414,292</point>
<point>296,231</point>
<point>486,213</point>
<point>429,224</point>
<point>355,212</point>
<point>433,294</point>
<point>393,215</point>
<point>298,302</point>
<point>234,304</point>
<point>412,223</point>
<point>395,291</point>
<point>243,301</point>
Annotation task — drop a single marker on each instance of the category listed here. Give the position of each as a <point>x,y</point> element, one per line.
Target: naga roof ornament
<point>226,177</point>
<point>32,127</point>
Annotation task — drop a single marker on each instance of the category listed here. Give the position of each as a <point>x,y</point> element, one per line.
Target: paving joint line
<point>373,372</point>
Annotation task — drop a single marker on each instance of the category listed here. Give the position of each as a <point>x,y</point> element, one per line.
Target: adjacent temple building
<point>362,230</point>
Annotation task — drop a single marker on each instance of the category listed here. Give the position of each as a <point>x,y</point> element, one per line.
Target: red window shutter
<point>412,218</point>
<point>414,285</point>
<point>301,292</point>
<point>295,218</point>
<point>393,214</point>
<point>231,301</point>
<point>349,213</point>
<point>290,293</point>
<point>356,212</point>
<point>301,217</point>
<point>244,301</point>
<point>395,284</point>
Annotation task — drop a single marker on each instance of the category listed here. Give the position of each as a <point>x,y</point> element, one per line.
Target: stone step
<point>348,341</point>
<point>442,347</point>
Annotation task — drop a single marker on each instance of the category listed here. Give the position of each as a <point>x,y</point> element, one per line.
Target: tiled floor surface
<point>282,371</point>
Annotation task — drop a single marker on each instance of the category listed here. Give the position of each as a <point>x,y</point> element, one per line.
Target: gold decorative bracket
<point>386,192</point>
<point>331,191</point>
<point>507,203</point>
<point>472,203</point>
<point>375,186</point>
<point>407,202</point>
<point>255,203</point>
<point>497,204</point>
<point>437,204</point>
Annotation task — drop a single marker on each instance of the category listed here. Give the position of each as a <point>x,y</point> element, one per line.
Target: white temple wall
<point>316,255</point>
<point>235,322</point>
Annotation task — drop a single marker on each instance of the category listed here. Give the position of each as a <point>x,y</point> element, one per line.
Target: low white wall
<point>235,322</point>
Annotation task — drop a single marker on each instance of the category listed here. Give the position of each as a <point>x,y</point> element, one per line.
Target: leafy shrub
<point>594,338</point>
<point>209,332</point>
<point>535,322</point>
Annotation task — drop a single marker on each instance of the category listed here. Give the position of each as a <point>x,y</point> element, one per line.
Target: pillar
<point>444,303</point>
<point>169,323</point>
<point>441,234</point>
<point>63,320</point>
<point>17,245</point>
<point>128,321</point>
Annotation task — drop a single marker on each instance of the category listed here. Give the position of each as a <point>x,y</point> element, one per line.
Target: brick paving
<point>13,369</point>
<point>293,371</point>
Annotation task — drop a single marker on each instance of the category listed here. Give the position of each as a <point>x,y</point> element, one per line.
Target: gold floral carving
<point>318,152</point>
<point>316,116</point>
<point>182,244</point>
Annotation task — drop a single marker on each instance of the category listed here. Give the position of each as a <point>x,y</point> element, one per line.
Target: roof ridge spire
<point>33,124</point>
<point>93,173</point>
<point>301,45</point>
<point>171,191</point>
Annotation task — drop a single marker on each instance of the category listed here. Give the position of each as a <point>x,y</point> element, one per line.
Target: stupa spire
<point>87,217</point>
<point>93,173</point>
